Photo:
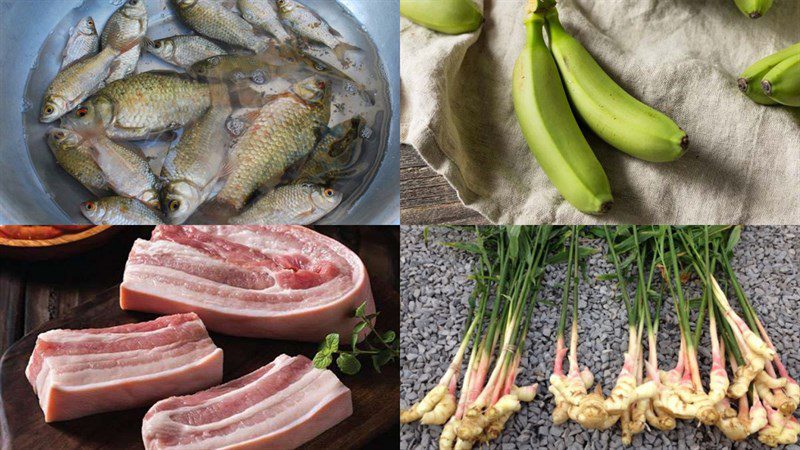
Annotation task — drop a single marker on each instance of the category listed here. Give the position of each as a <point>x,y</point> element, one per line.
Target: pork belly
<point>76,373</point>
<point>282,405</point>
<point>280,282</point>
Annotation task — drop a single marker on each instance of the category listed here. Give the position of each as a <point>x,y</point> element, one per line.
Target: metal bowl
<point>34,190</point>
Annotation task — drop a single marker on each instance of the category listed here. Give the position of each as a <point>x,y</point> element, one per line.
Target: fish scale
<point>284,132</point>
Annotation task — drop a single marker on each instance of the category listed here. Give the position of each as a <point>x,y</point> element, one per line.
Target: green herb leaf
<point>322,360</point>
<point>360,310</point>
<point>330,344</point>
<point>348,364</point>
<point>359,327</point>
<point>388,336</point>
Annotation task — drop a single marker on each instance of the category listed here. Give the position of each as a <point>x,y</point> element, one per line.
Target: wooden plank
<point>12,301</point>
<point>375,396</point>
<point>425,196</point>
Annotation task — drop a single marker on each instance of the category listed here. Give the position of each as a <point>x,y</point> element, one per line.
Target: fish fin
<point>227,169</point>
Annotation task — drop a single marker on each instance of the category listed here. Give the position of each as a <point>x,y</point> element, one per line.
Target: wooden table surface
<point>32,293</point>
<point>426,198</point>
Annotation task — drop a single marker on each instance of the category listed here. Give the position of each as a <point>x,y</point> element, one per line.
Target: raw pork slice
<point>282,405</point>
<point>76,373</point>
<point>279,282</point>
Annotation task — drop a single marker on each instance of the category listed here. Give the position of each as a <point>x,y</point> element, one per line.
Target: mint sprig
<point>382,348</point>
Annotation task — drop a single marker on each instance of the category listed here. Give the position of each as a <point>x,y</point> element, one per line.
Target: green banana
<point>753,8</point>
<point>750,80</point>
<point>444,16</point>
<point>550,129</point>
<point>612,113</point>
<point>782,83</point>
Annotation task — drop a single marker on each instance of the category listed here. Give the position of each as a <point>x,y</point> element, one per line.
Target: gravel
<point>435,289</point>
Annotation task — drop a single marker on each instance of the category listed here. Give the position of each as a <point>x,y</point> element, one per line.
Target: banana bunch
<point>753,8</point>
<point>444,16</point>
<point>774,79</point>
<point>550,128</point>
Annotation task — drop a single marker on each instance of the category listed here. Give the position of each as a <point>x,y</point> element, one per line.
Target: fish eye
<point>321,84</point>
<point>133,2</point>
<point>91,22</point>
<point>82,111</point>
<point>328,192</point>
<point>157,44</point>
<point>90,206</point>
<point>59,135</point>
<point>174,205</point>
<point>49,109</point>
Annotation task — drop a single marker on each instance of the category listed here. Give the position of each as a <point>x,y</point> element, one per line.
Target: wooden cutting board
<point>376,397</point>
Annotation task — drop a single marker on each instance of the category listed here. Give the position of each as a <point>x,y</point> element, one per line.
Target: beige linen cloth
<point>679,56</point>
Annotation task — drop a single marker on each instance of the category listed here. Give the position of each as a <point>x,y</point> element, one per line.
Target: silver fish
<point>264,15</point>
<point>127,24</point>
<point>193,166</point>
<point>119,211</point>
<point>295,204</point>
<point>284,132</point>
<point>126,171</point>
<point>184,50</point>
<point>83,42</point>
<point>234,68</point>
<point>75,84</point>
<point>74,155</point>
<point>309,25</point>
<point>144,105</point>
<point>210,18</point>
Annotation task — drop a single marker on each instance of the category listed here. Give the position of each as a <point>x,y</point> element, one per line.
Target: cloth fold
<point>682,57</point>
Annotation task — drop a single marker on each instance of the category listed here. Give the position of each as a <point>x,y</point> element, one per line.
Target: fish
<point>127,24</point>
<point>304,22</point>
<point>120,211</point>
<point>334,154</point>
<point>294,204</point>
<point>126,170</point>
<point>184,50</point>
<point>210,18</point>
<point>84,41</point>
<point>284,131</point>
<point>192,168</point>
<point>320,67</point>
<point>263,14</point>
<point>73,154</point>
<point>235,68</point>
<point>144,105</point>
<point>75,84</point>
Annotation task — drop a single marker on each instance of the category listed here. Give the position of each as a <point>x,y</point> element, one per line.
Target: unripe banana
<point>445,16</point>
<point>750,80</point>
<point>753,8</point>
<point>550,129</point>
<point>782,83</point>
<point>612,113</point>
